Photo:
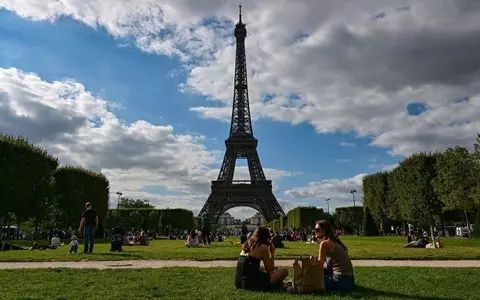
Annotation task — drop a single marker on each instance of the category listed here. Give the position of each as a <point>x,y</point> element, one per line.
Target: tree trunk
<point>18,228</point>
<point>442,220</point>
<point>468,223</point>
<point>432,233</point>
<point>36,229</point>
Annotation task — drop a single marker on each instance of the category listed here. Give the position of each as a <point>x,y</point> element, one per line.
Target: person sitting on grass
<point>192,240</point>
<point>437,242</point>
<point>73,246</point>
<point>55,242</point>
<point>142,239</point>
<point>339,275</point>
<point>248,275</point>
<point>277,240</point>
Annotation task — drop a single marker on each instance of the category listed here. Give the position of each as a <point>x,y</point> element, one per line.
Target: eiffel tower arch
<point>257,192</point>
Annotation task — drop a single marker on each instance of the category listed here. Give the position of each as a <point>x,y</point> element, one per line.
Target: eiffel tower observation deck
<point>241,144</point>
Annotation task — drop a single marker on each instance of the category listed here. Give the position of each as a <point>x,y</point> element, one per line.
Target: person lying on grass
<point>339,275</point>
<point>192,239</point>
<point>37,246</point>
<point>423,242</point>
<point>248,275</point>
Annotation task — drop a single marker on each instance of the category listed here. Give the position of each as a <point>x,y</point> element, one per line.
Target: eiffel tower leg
<point>228,166</point>
<point>254,166</point>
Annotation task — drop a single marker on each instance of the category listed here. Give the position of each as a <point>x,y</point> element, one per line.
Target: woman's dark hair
<point>259,237</point>
<point>193,233</point>
<point>329,234</point>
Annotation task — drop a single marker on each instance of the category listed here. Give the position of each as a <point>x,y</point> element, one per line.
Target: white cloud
<point>81,129</point>
<point>338,190</point>
<point>353,66</point>
<point>348,69</point>
<point>347,144</point>
<point>383,167</point>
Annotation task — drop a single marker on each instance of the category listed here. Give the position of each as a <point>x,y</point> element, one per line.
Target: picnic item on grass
<point>308,277</point>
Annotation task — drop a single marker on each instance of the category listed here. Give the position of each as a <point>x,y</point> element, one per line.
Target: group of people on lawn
<point>259,247</point>
<point>89,223</point>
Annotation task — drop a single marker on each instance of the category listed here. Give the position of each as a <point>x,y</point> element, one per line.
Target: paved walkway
<point>131,264</point>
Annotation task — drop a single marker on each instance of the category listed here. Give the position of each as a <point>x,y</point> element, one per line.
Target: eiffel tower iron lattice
<point>241,144</point>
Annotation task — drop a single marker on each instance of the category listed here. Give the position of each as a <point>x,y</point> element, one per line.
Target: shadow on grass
<point>362,292</point>
<point>119,254</point>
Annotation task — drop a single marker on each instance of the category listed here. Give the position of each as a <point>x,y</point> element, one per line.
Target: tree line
<point>35,189</point>
<point>140,214</point>
<point>425,188</point>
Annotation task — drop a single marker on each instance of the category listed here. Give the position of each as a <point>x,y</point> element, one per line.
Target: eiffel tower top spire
<point>240,13</point>
<point>241,125</point>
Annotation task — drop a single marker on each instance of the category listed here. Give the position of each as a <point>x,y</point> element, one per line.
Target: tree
<point>476,156</point>
<point>25,179</point>
<point>304,217</point>
<point>131,203</point>
<point>74,186</point>
<point>413,182</point>
<point>348,217</point>
<point>476,226</point>
<point>369,226</point>
<point>456,180</point>
<point>375,194</point>
<point>393,210</point>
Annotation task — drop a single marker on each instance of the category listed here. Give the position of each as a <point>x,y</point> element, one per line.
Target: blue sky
<point>139,85</point>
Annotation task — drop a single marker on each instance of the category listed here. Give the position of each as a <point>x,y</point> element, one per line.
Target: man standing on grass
<point>89,223</point>
<point>205,224</point>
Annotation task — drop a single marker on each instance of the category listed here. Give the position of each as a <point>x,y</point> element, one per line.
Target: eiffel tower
<point>241,144</point>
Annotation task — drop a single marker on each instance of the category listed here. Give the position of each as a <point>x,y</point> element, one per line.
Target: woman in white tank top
<point>339,275</point>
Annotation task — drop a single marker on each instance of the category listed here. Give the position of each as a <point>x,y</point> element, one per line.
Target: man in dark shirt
<point>277,240</point>
<point>89,223</point>
<point>206,227</point>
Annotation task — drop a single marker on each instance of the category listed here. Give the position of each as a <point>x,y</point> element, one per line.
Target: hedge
<point>283,222</point>
<point>476,226</point>
<point>349,217</point>
<point>25,178</point>
<point>304,217</point>
<point>74,186</point>
<point>150,218</point>
<point>369,226</point>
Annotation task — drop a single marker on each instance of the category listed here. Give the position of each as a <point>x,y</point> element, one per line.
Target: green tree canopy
<point>369,226</point>
<point>457,180</point>
<point>25,178</point>
<point>375,196</point>
<point>131,203</point>
<point>74,186</point>
<point>414,192</point>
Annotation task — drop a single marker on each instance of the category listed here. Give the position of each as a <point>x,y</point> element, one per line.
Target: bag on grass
<point>308,277</point>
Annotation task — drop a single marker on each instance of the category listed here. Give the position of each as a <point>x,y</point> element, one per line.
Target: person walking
<point>206,227</point>
<point>89,223</point>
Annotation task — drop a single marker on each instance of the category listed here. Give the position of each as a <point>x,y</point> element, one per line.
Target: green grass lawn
<point>360,248</point>
<point>217,283</point>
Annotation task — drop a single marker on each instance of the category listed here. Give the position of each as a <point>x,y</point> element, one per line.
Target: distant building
<point>258,219</point>
<point>226,219</point>
<point>234,226</point>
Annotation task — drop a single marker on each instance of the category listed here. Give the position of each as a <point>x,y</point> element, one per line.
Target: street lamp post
<point>118,201</point>
<point>328,205</point>
<point>353,195</point>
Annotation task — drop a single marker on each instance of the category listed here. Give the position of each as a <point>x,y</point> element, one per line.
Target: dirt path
<point>129,264</point>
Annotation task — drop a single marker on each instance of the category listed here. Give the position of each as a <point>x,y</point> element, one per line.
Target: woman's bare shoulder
<point>327,243</point>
